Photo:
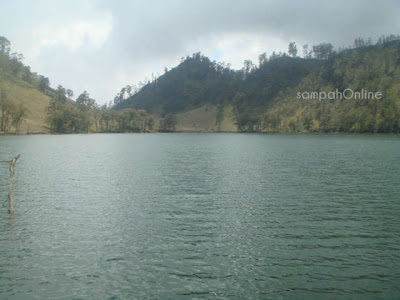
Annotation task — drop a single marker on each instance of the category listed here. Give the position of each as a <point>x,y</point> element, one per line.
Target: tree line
<point>84,115</point>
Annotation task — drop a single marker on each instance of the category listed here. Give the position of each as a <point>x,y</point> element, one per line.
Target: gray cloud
<point>101,45</point>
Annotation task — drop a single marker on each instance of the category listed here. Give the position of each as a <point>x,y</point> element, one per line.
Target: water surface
<point>182,216</point>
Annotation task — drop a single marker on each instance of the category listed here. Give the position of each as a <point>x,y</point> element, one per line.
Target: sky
<point>102,45</point>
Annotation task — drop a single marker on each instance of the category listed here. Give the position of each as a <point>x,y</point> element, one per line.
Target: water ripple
<point>202,216</point>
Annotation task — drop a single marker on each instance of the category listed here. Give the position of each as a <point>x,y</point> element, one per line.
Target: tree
<point>129,90</point>
<point>86,107</point>
<point>142,116</point>
<point>169,122</point>
<point>17,115</point>
<point>27,74</point>
<point>105,119</point>
<point>70,93</point>
<point>359,42</point>
<point>292,49</point>
<point>150,123</point>
<point>84,101</point>
<point>262,59</point>
<point>306,52</point>
<point>5,46</point>
<point>62,116</point>
<point>17,57</point>
<point>60,94</point>
<point>323,51</point>
<point>6,108</point>
<point>44,83</point>
<point>16,66</point>
<point>96,116</point>
<point>248,66</point>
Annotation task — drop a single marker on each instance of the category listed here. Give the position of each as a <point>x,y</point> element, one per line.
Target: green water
<point>183,216</point>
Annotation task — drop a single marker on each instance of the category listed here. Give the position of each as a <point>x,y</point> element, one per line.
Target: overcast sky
<point>102,45</point>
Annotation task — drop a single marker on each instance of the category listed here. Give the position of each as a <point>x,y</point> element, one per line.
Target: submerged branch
<point>10,195</point>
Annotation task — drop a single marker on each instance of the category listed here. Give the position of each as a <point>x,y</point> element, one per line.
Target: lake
<point>185,215</point>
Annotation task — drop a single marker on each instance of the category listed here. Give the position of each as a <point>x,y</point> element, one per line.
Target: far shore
<point>182,131</point>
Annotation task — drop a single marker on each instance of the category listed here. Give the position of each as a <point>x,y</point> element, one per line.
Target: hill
<point>28,104</point>
<point>32,101</point>
<point>197,81</point>
<point>368,69</point>
<point>265,97</point>
<point>22,103</point>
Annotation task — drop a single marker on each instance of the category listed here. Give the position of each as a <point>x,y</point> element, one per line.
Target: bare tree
<point>10,195</point>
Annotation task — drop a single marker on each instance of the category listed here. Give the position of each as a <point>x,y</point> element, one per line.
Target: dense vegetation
<point>372,68</point>
<point>84,115</point>
<point>263,96</point>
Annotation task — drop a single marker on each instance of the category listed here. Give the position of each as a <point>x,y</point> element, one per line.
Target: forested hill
<point>197,81</point>
<point>264,97</point>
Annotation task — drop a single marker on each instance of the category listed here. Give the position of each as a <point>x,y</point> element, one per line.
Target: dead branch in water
<point>10,195</point>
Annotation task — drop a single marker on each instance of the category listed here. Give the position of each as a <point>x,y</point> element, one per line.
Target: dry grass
<point>204,119</point>
<point>34,101</point>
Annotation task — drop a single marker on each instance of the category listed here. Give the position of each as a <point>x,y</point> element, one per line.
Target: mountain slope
<point>263,98</point>
<point>194,82</point>
<point>22,104</point>
<point>373,69</point>
<point>204,119</point>
<point>34,102</point>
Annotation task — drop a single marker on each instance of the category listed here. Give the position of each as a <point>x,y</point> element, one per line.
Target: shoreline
<point>190,131</point>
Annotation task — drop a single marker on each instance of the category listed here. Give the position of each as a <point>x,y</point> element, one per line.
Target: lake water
<point>183,216</point>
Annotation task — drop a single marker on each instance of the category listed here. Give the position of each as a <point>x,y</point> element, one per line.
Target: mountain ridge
<point>262,97</point>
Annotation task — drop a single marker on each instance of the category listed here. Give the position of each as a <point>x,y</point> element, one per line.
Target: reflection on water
<point>201,216</point>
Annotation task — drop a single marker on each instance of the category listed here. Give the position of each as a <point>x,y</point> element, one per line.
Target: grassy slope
<point>204,119</point>
<point>34,101</point>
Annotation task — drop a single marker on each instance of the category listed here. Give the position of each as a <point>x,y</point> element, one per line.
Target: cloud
<point>101,45</point>
<point>75,36</point>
